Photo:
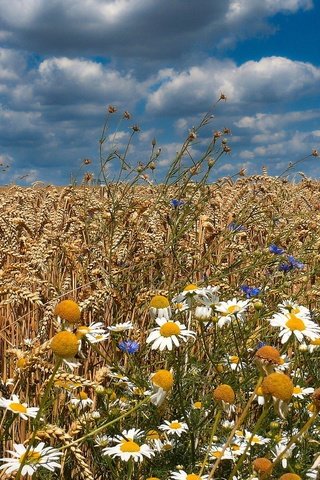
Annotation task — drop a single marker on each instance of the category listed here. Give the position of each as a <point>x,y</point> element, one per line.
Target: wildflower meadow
<point>161,330</point>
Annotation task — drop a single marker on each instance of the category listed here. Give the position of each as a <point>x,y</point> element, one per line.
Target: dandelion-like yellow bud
<point>159,301</point>
<point>224,393</point>
<point>64,344</point>
<point>68,310</point>
<point>263,466</point>
<point>278,385</point>
<point>163,379</point>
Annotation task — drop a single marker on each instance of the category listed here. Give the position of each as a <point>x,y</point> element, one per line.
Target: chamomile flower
<point>21,409</point>
<point>293,307</point>
<point>218,451</point>
<point>81,400</point>
<point>168,334</point>
<point>68,310</point>
<point>298,326</point>
<point>160,307</point>
<point>189,292</point>
<point>234,362</point>
<point>280,451</point>
<point>162,381</point>
<point>313,345</point>
<point>174,428</point>
<point>300,392</point>
<point>94,333</point>
<point>231,309</point>
<point>182,475</point>
<point>203,313</point>
<point>127,448</point>
<point>254,439</point>
<point>121,327</point>
<point>180,306</point>
<point>32,458</point>
<point>208,296</point>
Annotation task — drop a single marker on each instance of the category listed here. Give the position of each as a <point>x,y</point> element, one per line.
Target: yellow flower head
<point>64,344</point>
<point>68,310</point>
<point>269,354</point>
<point>191,286</point>
<point>263,466</point>
<point>163,379</point>
<point>278,385</point>
<point>290,476</point>
<point>224,393</point>
<point>159,301</point>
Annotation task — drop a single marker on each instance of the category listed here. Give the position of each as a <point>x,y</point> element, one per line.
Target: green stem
<point>213,431</point>
<point>38,417</point>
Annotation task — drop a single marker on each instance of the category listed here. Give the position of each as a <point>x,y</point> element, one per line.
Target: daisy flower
<point>292,324</point>
<point>189,292</point>
<point>300,392</point>
<point>94,333</point>
<point>280,448</point>
<point>121,327</point>
<point>182,475</point>
<point>21,409</point>
<point>162,382</point>
<point>208,296</point>
<point>160,307</point>
<point>127,448</point>
<point>293,307</point>
<point>230,310</point>
<point>174,428</point>
<point>233,361</point>
<point>203,313</point>
<point>217,452</point>
<point>32,458</point>
<point>168,334</point>
<point>180,306</point>
<point>313,345</point>
<point>81,400</point>
<point>254,439</point>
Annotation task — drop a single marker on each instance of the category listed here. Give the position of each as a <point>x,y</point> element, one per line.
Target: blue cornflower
<point>274,249</point>
<point>261,344</point>
<point>295,263</point>
<point>236,227</point>
<point>175,203</point>
<point>291,264</point>
<point>128,346</point>
<point>250,291</point>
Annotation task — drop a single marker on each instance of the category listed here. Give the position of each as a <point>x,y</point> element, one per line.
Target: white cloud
<point>269,80</point>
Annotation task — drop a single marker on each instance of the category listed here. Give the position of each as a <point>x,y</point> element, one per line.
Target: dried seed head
<point>112,109</point>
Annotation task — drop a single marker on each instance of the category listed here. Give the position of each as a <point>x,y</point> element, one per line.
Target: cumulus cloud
<point>269,80</point>
<point>135,28</point>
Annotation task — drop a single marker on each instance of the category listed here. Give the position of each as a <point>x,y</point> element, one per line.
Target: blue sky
<point>166,62</point>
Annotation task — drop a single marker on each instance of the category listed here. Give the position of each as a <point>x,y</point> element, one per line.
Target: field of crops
<point>156,332</point>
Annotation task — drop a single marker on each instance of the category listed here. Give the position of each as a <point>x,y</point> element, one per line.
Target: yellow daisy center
<point>153,435</point>
<point>82,331</point>
<point>295,323</point>
<point>175,425</point>
<point>259,391</point>
<point>262,465</point>
<point>64,344</point>
<point>192,476</point>
<point>316,341</point>
<point>290,476</point>
<point>216,454</point>
<point>163,379</point>
<point>169,328</point>
<point>233,309</point>
<point>234,359</point>
<point>224,393</point>
<point>235,447</point>
<point>197,405</point>
<point>17,407</point>
<point>191,286</point>
<point>159,301</point>
<point>297,390</point>
<point>30,457</point>
<point>82,395</point>
<point>255,439</point>
<point>68,310</point>
<point>21,363</point>
<point>278,385</point>
<point>129,446</point>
